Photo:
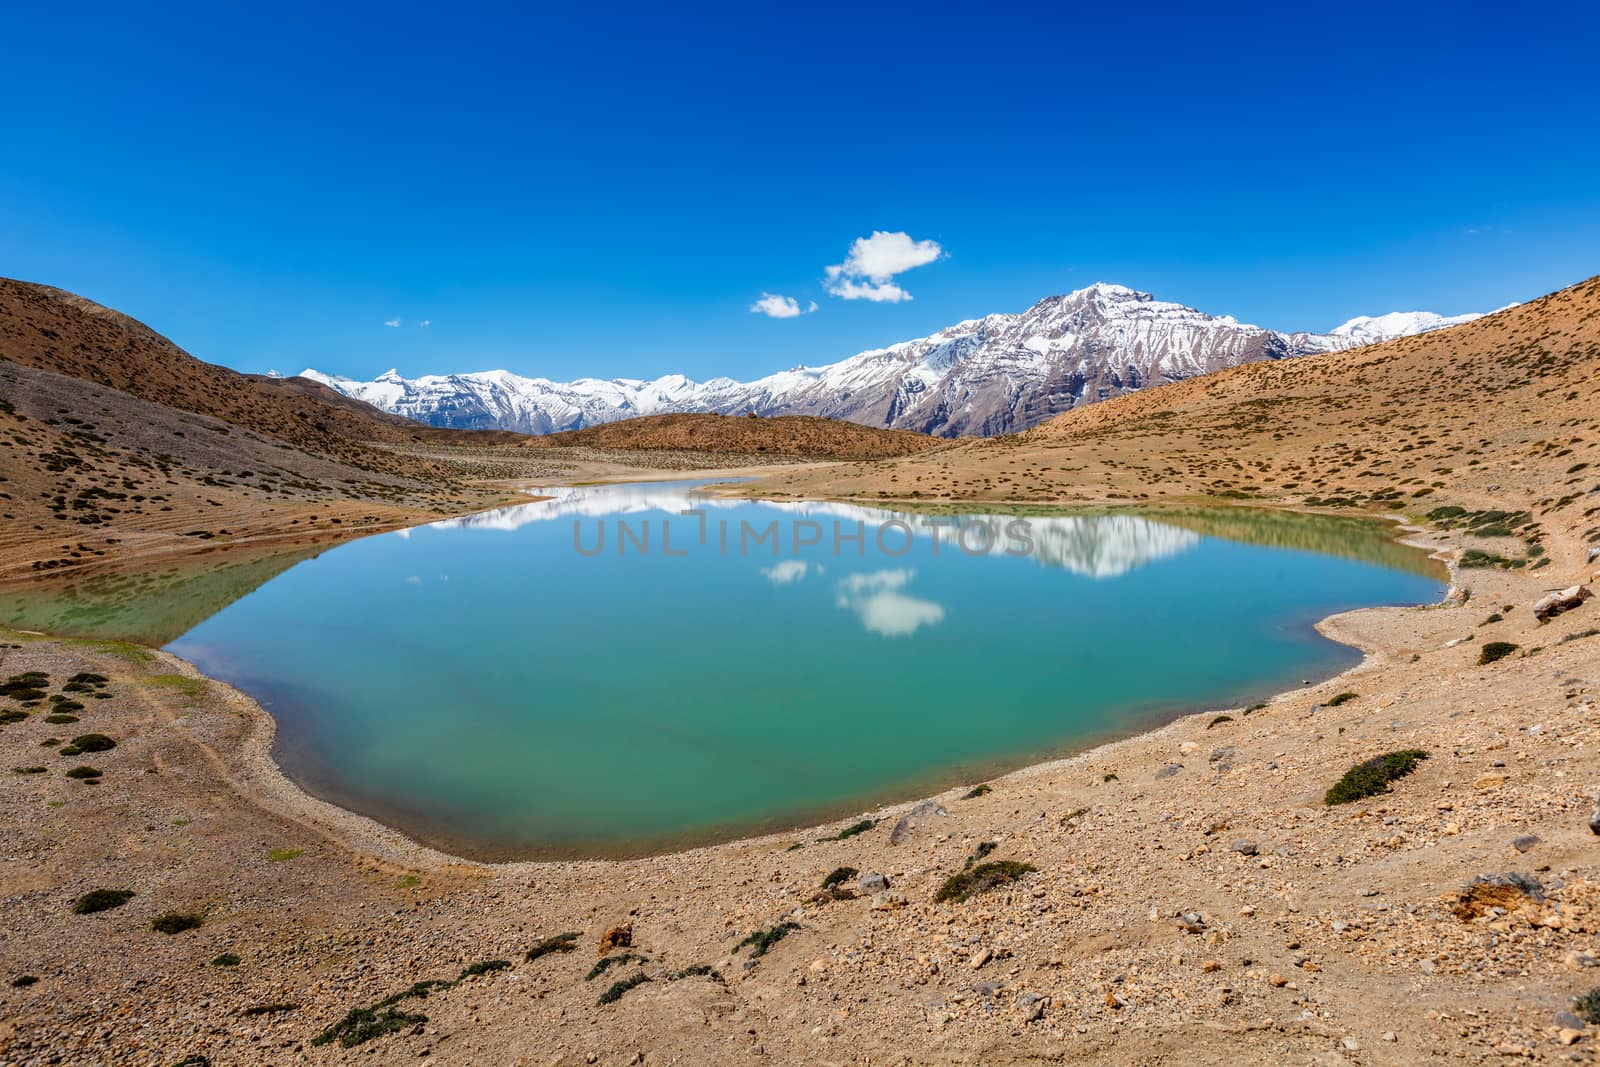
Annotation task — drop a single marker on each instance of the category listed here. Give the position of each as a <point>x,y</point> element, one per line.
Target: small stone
<point>873,882</point>
<point>1192,922</point>
<point>1173,768</point>
<point>1211,966</point>
<point>1594,822</point>
<point>1569,1036</point>
<point>1389,1035</point>
<point>888,900</point>
<point>1568,1021</point>
<point>1525,842</point>
<point>983,956</point>
<point>1352,1044</point>
<point>617,937</point>
<point>1277,981</point>
<point>1244,847</point>
<point>916,819</point>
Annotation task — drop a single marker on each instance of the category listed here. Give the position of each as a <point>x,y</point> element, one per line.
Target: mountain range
<point>998,374</point>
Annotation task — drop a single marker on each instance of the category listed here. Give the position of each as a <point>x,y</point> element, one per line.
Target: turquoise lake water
<point>502,685</point>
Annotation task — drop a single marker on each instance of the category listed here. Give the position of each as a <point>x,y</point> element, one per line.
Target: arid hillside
<point>802,436</point>
<point>1502,414</point>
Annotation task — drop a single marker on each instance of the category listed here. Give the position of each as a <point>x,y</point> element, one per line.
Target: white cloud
<point>774,306</point>
<point>868,271</point>
<point>392,322</point>
<point>883,609</point>
<point>425,323</point>
<point>786,573</point>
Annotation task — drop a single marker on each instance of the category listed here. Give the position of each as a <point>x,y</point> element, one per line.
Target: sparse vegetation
<point>762,940</point>
<point>960,887</point>
<point>227,959</point>
<point>977,791</point>
<point>1371,777</point>
<point>361,1025</point>
<point>1340,698</point>
<point>277,1008</point>
<point>605,963</point>
<point>839,875</point>
<point>176,922</point>
<point>23,981</point>
<point>283,855</point>
<point>1587,1006</point>
<point>1495,650</point>
<point>559,943</point>
<point>101,900</point>
<point>84,774</point>
<point>851,831</point>
<point>698,970</point>
<point>1219,720</point>
<point>93,743</point>
<point>619,988</point>
<point>983,849</point>
<point>483,967</point>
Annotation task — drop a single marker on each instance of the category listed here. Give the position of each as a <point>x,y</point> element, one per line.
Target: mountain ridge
<point>997,374</point>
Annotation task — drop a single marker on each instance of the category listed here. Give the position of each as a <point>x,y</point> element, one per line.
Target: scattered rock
<point>1192,922</point>
<point>1168,771</point>
<point>915,819</point>
<point>1552,604</point>
<point>1568,1021</point>
<point>1507,892</point>
<point>984,956</point>
<point>873,882</point>
<point>1594,554</point>
<point>1244,847</point>
<point>1525,842</point>
<point>888,900</point>
<point>1031,1005</point>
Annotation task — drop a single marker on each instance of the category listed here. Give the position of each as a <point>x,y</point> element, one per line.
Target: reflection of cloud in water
<point>1094,546</point>
<point>876,598</point>
<point>788,572</point>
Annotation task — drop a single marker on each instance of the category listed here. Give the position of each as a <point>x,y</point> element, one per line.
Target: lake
<point>601,674</point>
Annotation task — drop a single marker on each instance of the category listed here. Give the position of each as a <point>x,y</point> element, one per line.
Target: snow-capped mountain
<point>993,375</point>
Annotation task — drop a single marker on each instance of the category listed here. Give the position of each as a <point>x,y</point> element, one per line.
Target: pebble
<point>1525,842</point>
<point>1244,846</point>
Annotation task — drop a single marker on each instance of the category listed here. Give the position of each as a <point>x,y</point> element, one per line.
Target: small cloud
<point>786,573</point>
<point>883,609</point>
<point>425,323</point>
<point>414,580</point>
<point>774,306</point>
<point>392,322</point>
<point>868,271</point>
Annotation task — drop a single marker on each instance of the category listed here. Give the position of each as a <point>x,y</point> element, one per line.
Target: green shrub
<point>618,988</point>
<point>93,743</point>
<point>1340,698</point>
<point>697,971</point>
<point>29,770</point>
<point>977,791</point>
<point>176,922</point>
<point>10,715</point>
<point>1219,720</point>
<point>983,849</point>
<point>23,981</point>
<point>1495,650</point>
<point>1587,1007</point>
<point>1372,777</point>
<point>838,875</point>
<point>101,900</point>
<point>483,967</point>
<point>84,773</point>
<point>850,831</point>
<point>62,720</point>
<point>270,1009</point>
<point>559,943</point>
<point>227,959</point>
<point>762,940</point>
<point>361,1025</point>
<point>606,963</point>
<point>283,855</point>
<point>959,887</point>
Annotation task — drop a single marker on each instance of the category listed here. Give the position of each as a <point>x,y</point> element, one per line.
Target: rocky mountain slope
<point>803,436</point>
<point>994,375</point>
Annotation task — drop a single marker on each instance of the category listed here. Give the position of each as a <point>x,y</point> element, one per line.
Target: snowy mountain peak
<point>996,374</point>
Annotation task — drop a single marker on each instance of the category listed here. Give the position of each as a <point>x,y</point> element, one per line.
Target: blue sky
<point>608,193</point>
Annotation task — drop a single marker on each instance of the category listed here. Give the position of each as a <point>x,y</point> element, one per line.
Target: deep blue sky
<point>607,193</point>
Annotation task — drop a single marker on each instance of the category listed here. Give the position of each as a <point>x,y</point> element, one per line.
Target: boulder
<point>915,820</point>
<point>1552,604</point>
<point>873,882</point>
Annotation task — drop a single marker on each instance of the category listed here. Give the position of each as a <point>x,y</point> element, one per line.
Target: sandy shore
<point>1313,934</point>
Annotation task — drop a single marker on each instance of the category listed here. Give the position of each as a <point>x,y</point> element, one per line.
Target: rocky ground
<point>1192,898</point>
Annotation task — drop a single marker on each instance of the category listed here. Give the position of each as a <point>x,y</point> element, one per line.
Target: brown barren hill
<point>805,436</point>
<point>1498,414</point>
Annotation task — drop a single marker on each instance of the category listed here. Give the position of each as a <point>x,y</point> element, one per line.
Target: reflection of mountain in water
<point>1095,546</point>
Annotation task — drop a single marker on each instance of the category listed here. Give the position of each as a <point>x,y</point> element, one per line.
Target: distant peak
<point>390,375</point>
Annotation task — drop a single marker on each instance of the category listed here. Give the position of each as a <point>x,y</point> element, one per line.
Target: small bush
<point>11,715</point>
<point>283,855</point>
<point>1495,650</point>
<point>959,887</point>
<point>62,720</point>
<point>1219,720</point>
<point>270,1009</point>
<point>23,981</point>
<point>483,967</point>
<point>1587,1007</point>
<point>1371,777</point>
<point>618,988</point>
<point>762,940</point>
<point>559,943</point>
<point>1339,698</point>
<point>93,743</point>
<point>29,770</point>
<point>84,773</point>
<point>361,1025</point>
<point>850,831</point>
<point>176,922</point>
<point>983,849</point>
<point>101,900</point>
<point>606,963</point>
<point>699,970</point>
<point>839,875</point>
<point>977,791</point>
<point>1110,776</point>
<point>227,959</point>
